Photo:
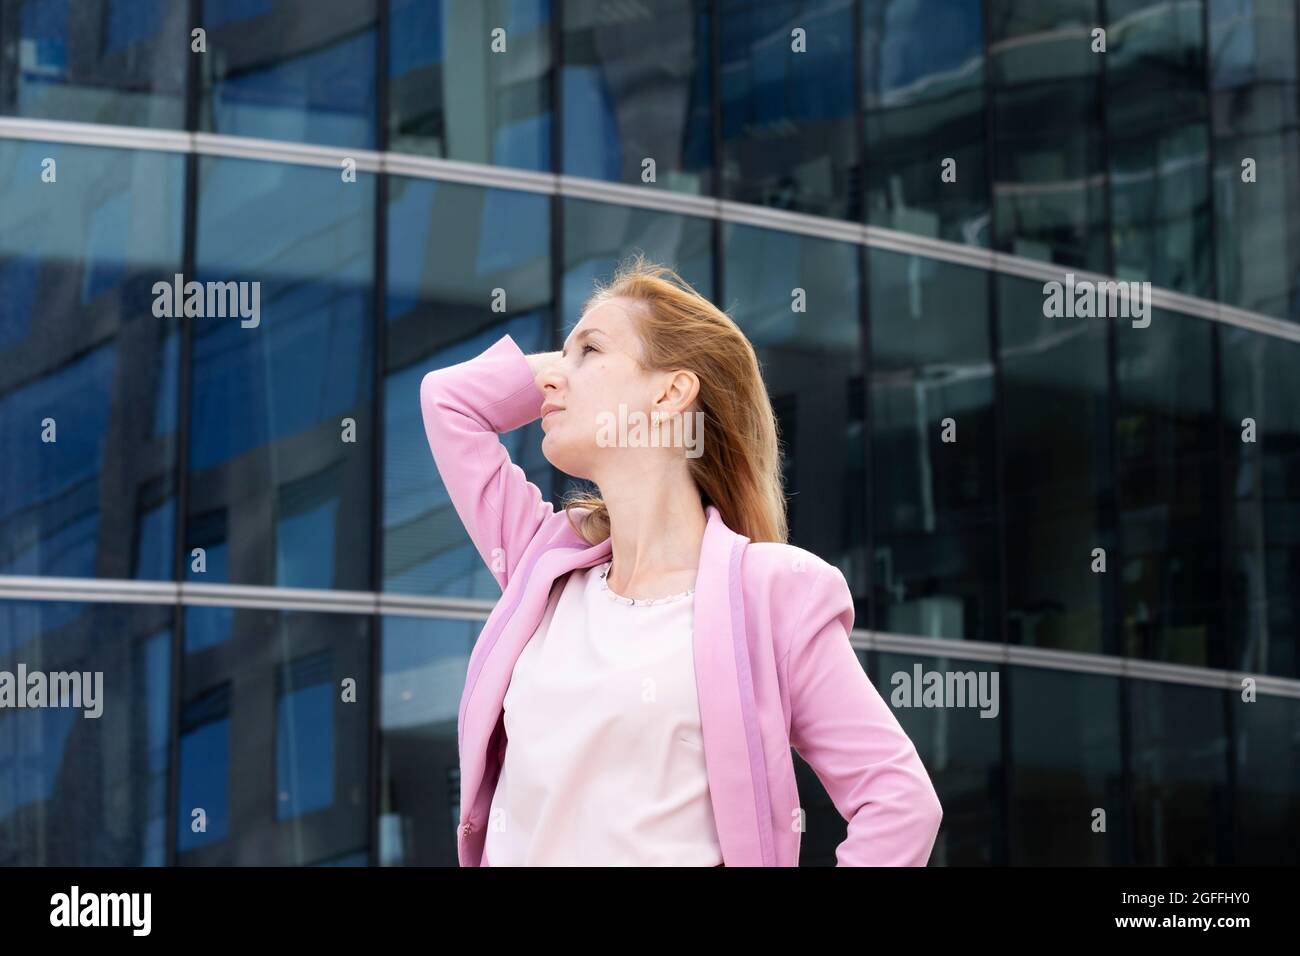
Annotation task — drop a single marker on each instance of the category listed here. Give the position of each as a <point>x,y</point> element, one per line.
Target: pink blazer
<point>773,663</point>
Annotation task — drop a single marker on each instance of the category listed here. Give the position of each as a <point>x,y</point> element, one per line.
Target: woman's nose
<point>549,377</point>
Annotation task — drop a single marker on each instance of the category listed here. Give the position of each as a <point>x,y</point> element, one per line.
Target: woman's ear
<point>681,390</point>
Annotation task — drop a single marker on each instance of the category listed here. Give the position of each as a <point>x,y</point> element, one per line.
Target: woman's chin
<point>561,457</point>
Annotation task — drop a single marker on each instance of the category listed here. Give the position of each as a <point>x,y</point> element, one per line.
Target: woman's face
<point>596,373</point>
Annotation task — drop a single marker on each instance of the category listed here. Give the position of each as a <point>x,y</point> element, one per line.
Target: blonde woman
<point>659,648</point>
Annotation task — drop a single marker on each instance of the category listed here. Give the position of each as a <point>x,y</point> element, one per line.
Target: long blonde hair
<point>739,470</point>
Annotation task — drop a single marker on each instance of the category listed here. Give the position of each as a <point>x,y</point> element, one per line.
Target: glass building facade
<point>241,527</point>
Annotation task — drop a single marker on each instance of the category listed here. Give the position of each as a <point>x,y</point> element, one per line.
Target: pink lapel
<point>733,750</point>
<point>486,689</point>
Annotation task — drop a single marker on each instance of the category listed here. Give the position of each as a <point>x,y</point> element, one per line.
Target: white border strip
<point>114,591</point>
<point>646,197</point>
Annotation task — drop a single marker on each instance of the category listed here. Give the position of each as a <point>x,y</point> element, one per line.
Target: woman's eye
<point>588,348</point>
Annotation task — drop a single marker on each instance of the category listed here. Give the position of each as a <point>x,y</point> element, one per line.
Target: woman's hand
<point>540,360</point>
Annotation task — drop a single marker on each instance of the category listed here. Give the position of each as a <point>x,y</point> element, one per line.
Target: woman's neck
<point>655,537</point>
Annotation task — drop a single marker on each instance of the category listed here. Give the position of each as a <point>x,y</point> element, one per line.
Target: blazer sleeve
<point>465,407</point>
<point>844,729</point>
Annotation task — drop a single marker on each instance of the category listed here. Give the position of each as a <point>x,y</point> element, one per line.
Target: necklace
<point>635,602</point>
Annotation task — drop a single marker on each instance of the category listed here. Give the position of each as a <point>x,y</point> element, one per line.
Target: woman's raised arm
<point>465,408</point>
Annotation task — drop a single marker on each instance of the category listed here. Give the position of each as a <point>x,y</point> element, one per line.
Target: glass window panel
<point>281,414</point>
<point>923,66</point>
<point>89,355</point>
<point>1255,83</point>
<point>636,86</point>
<point>798,299</point>
<point>168,389</point>
<point>1056,472</point>
<point>116,61</point>
<point>86,785</point>
<point>1049,191</point>
<point>304,736</point>
<point>1262,524</point>
<point>286,690</point>
<point>1167,457</point>
<point>441,294</point>
<point>934,509</point>
<point>1267,779</point>
<point>18,278</point>
<point>307,529</point>
<point>156,542</point>
<point>205,770</point>
<point>209,626</point>
<point>301,70</point>
<point>423,666</point>
<point>1066,763</point>
<point>1157,123</point>
<point>597,236</point>
<point>1253,41</point>
<point>789,124</point>
<point>452,97</point>
<point>347,859</point>
<point>962,753</point>
<point>1180,775</point>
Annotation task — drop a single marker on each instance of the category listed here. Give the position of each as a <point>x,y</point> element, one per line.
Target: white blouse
<point>604,761</point>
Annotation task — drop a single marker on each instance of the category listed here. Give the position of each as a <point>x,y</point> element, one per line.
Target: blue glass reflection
<point>509,230</point>
<point>307,238</point>
<point>925,43</point>
<point>423,662</point>
<point>67,297</point>
<point>155,541</point>
<point>157,654</point>
<point>304,739</point>
<point>510,227</point>
<point>17,298</point>
<point>450,100</point>
<point>322,91</point>
<point>85,782</point>
<point>130,22</point>
<point>43,24</point>
<point>204,770</point>
<point>305,542</point>
<point>168,397</point>
<point>636,84</point>
<point>269,398</point>
<point>592,147</point>
<point>416,38</point>
<point>109,221</point>
<point>114,61</point>
<point>525,16</point>
<point>78,398</point>
<point>42,734</point>
<point>219,14</point>
<point>208,626</point>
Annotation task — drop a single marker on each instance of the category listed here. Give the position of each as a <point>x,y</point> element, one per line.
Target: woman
<point>658,648</point>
